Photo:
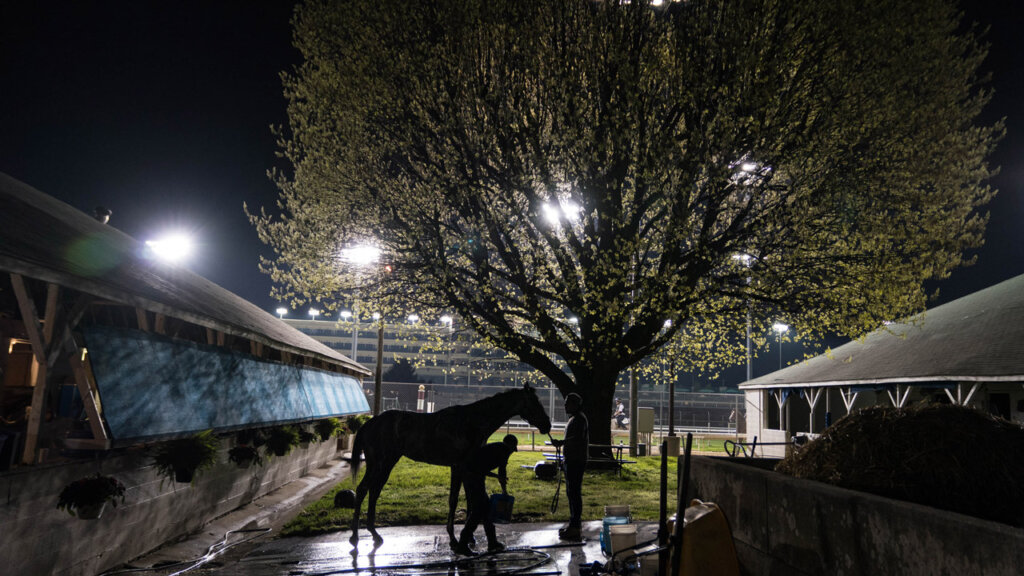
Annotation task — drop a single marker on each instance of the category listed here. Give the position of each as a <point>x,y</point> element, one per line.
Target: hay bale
<point>944,456</point>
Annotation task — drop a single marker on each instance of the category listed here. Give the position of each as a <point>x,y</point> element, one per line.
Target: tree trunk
<point>598,391</point>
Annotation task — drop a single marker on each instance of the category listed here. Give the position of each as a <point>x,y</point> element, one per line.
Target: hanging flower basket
<point>282,439</point>
<point>181,459</point>
<point>305,438</point>
<point>87,497</point>
<point>327,428</point>
<point>245,456</point>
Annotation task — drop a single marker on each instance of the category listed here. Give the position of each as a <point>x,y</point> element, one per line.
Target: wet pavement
<point>533,549</point>
<point>244,542</point>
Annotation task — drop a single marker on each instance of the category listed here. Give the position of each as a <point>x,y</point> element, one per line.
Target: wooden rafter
<point>142,318</point>
<point>30,319</point>
<point>960,399</point>
<point>87,390</point>
<point>849,397</point>
<point>813,395</point>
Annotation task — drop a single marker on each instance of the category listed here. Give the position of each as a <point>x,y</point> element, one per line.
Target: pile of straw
<point>944,456</point>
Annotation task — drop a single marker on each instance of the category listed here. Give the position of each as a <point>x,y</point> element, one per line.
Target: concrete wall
<point>40,539</point>
<point>783,525</point>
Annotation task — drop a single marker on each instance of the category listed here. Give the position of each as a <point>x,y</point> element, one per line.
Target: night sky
<point>161,111</point>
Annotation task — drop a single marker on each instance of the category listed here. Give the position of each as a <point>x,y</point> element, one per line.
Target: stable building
<point>969,351</point>
<point>107,351</point>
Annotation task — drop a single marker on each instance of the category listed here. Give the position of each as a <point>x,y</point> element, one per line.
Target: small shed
<point>102,345</point>
<point>969,351</point>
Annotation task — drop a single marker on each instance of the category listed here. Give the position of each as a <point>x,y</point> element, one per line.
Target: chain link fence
<point>693,411</point>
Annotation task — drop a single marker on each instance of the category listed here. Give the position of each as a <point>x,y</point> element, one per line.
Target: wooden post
<point>30,319</point>
<point>143,319</point>
<point>87,390</point>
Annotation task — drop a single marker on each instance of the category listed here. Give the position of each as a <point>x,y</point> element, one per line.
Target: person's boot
<point>492,538</point>
<point>495,546</point>
<point>463,545</point>
<point>462,548</point>
<point>571,533</point>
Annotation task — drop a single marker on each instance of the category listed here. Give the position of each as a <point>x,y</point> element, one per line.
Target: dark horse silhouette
<point>445,438</point>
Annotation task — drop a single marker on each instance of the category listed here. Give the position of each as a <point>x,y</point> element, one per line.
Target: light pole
<point>281,312</point>
<point>361,256</point>
<point>447,320</point>
<point>347,316</point>
<point>380,360</point>
<point>746,259</point>
<point>780,329</point>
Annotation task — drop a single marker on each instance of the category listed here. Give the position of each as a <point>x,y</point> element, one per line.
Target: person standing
<point>620,415</point>
<point>575,447</point>
<point>474,474</point>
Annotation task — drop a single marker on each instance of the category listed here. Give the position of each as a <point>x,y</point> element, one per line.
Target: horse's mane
<point>500,397</point>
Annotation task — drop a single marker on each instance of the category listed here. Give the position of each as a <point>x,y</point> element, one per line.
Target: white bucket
<point>623,536</point>
<point>621,510</point>
<point>649,565</point>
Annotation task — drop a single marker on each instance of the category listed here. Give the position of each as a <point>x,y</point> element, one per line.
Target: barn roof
<point>979,337</point>
<point>44,238</point>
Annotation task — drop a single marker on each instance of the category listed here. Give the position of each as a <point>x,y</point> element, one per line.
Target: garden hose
<point>212,552</point>
<point>529,558</point>
<point>558,463</point>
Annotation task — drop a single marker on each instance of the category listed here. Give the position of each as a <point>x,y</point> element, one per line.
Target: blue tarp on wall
<point>152,386</point>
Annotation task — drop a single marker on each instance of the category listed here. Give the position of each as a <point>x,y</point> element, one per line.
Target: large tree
<point>567,175</point>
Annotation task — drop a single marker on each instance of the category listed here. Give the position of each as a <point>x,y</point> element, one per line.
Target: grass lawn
<point>701,443</point>
<point>417,493</point>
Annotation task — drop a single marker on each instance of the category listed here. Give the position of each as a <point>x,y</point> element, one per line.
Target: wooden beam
<point>50,315</point>
<point>78,309</point>
<point>143,319</point>
<point>85,389</point>
<point>211,339</point>
<point>286,357</point>
<point>160,325</point>
<point>35,417</point>
<point>29,318</point>
<point>221,338</point>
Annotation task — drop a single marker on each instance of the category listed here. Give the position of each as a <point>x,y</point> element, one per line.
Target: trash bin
<point>641,449</point>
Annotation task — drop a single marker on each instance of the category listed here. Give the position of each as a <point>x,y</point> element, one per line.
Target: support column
<point>30,319</point>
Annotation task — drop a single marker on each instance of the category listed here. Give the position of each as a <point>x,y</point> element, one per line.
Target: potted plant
<point>327,428</point>
<point>305,437</point>
<point>244,456</point>
<point>356,421</point>
<point>282,439</point>
<point>181,459</point>
<point>86,497</point>
<point>254,437</point>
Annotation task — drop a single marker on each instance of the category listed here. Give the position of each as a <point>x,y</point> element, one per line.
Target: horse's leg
<point>381,475</point>
<point>453,502</point>
<point>360,494</point>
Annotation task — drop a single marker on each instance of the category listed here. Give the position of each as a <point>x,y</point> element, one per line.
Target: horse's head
<point>533,411</point>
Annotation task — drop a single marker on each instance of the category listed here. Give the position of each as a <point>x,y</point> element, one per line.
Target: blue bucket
<point>606,536</point>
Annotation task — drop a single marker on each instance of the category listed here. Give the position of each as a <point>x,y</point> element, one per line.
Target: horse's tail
<point>356,457</point>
